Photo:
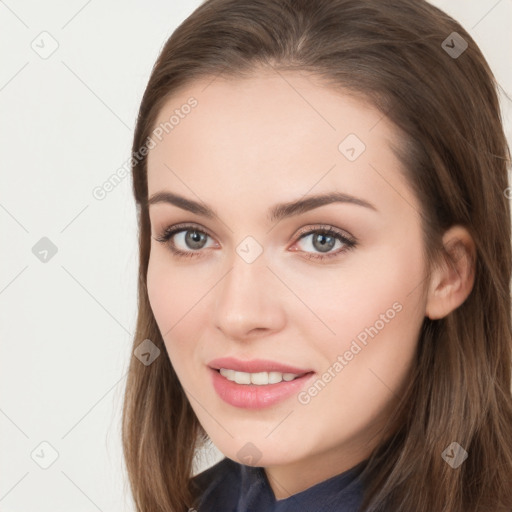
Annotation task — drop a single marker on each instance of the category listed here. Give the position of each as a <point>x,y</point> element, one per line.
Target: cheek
<point>166,297</point>
<point>380,316</point>
<point>158,287</point>
<point>367,362</point>
<point>176,305</point>
<point>169,295</point>
<point>347,301</point>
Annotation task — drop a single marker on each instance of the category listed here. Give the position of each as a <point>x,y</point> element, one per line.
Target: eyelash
<point>168,233</point>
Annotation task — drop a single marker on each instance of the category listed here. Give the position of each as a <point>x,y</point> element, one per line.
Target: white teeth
<point>260,378</point>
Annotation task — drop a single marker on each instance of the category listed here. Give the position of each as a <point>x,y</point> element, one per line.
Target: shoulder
<point>219,483</point>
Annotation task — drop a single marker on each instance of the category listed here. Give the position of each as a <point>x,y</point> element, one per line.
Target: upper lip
<point>255,366</point>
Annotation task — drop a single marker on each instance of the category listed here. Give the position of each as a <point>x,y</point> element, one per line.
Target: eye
<point>192,240</point>
<point>323,239</point>
<point>188,236</point>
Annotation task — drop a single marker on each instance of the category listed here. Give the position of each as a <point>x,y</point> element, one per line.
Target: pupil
<point>323,241</point>
<point>195,238</point>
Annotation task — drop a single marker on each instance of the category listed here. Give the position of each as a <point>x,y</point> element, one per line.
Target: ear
<point>452,280</point>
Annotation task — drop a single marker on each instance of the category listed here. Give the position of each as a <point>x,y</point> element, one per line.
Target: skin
<point>249,144</point>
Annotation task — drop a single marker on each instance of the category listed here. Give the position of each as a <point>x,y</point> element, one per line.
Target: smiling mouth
<point>254,390</point>
<point>258,378</point>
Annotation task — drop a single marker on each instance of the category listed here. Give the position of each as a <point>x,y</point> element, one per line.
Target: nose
<point>249,300</point>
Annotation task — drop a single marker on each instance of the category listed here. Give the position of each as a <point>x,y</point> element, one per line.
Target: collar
<point>340,493</point>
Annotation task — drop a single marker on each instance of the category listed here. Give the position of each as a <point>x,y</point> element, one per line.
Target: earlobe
<point>452,280</point>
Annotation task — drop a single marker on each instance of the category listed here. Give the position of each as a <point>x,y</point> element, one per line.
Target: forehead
<point>276,135</point>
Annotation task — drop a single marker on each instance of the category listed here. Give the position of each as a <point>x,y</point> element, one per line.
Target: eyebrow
<point>275,213</point>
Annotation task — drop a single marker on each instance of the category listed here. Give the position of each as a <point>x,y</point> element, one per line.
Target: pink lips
<point>253,396</point>
<point>255,366</point>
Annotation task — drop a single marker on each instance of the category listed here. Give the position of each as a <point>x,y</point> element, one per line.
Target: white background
<point>66,325</point>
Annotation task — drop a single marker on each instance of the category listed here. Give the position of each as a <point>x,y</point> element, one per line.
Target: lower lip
<point>253,396</point>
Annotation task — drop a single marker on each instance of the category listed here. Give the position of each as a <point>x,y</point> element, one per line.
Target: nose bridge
<point>246,298</point>
<point>242,288</point>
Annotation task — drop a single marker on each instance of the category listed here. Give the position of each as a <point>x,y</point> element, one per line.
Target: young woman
<point>325,264</point>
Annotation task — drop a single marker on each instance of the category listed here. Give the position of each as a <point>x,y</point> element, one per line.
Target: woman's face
<point>253,285</point>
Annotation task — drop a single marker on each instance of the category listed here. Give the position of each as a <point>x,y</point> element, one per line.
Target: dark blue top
<point>229,486</point>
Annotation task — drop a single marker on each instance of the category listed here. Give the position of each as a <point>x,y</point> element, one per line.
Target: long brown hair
<point>403,57</point>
